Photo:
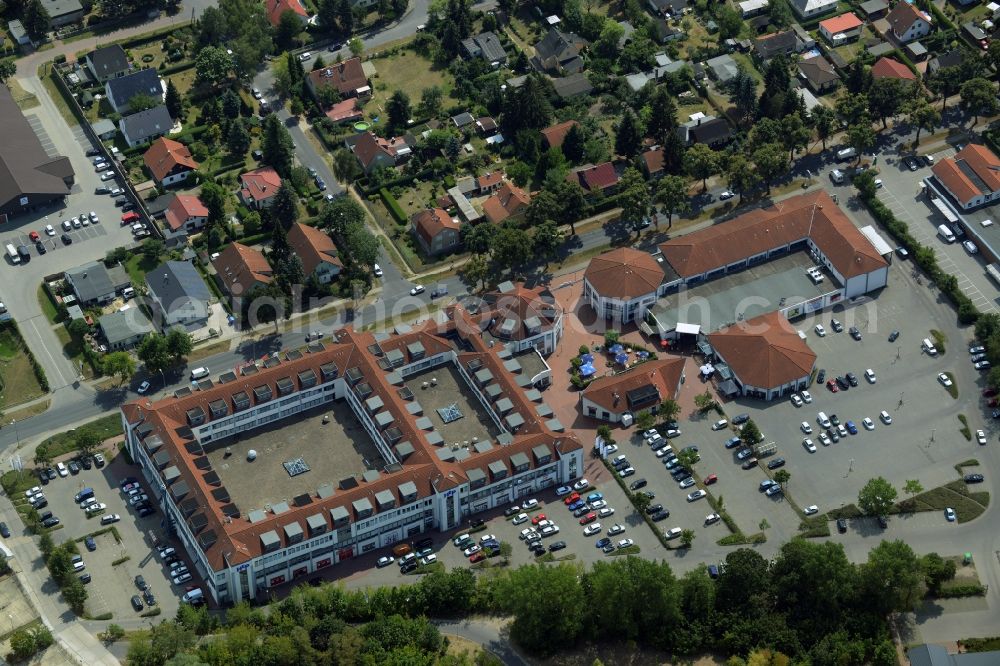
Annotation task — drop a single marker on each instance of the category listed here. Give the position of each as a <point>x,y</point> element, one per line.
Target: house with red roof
<point>554,136</point>
<point>317,252</point>
<point>374,152</point>
<point>591,178</point>
<point>841,29</point>
<point>240,269</point>
<point>489,183</point>
<point>258,187</point>
<point>887,68</point>
<point>346,77</point>
<point>436,231</point>
<point>971,177</point>
<point>169,161</point>
<point>185,213</point>
<point>346,111</point>
<point>508,201</point>
<point>275,9</point>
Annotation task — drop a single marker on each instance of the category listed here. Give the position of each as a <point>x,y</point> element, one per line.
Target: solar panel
<point>296,467</point>
<point>450,413</point>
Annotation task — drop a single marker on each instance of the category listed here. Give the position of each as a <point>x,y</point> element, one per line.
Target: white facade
<point>444,510</point>
<point>618,310</point>
<point>809,8</point>
<point>326,272</point>
<point>919,28</point>
<point>176,177</point>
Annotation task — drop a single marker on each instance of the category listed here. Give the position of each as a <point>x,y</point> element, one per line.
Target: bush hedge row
<point>392,206</point>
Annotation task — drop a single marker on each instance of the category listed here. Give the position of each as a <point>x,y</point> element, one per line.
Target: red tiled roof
<point>764,352</point>
<point>599,177</point>
<point>369,146</point>
<point>275,8</point>
<point>165,155</point>
<point>981,161</point>
<point>556,134</point>
<point>488,180</point>
<point>182,208</point>
<point>507,201</point>
<point>346,76</point>
<point>345,111</point>
<point>234,540</point>
<point>610,392</point>
<point>841,23</point>
<point>653,160</point>
<point>520,304</point>
<point>812,215</point>
<point>887,68</point>
<point>242,266</point>
<point>260,184</point>
<point>624,273</point>
<point>429,223</point>
<point>313,247</point>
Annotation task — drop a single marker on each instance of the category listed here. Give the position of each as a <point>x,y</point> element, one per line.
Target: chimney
<point>166,279</point>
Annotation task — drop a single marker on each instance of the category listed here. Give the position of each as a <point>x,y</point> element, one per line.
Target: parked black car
<point>662,515</point>
<point>654,508</point>
<point>776,463</point>
<point>638,483</point>
<point>841,525</point>
<point>969,478</point>
<point>842,383</point>
<point>852,379</point>
<point>821,376</point>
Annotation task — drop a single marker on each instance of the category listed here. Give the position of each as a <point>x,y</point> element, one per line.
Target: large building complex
<point>413,431</point>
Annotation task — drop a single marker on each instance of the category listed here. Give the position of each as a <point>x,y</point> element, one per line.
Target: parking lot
<point>923,442</point>
<point>112,585</point>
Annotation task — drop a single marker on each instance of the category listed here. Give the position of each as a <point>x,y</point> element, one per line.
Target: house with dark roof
<point>936,655</point>
<point>952,58</point>
<point>971,177</point>
<point>169,161</point>
<point>779,43</point>
<point>63,12</point>
<point>144,126</point>
<point>485,45</point>
<point>668,8</point>
<point>240,269</point>
<point>874,9</point>
<point>486,126</point>
<point>907,23</point>
<point>639,388</point>
<point>317,252</point>
<point>558,53</point>
<point>107,62</point>
<point>122,89</point>
<point>767,357</point>
<point>124,329</point>
<point>178,296</point>
<point>347,77</point>
<point>258,187</point>
<point>664,33</point>
<point>463,120</point>
<point>713,132</point>
<point>652,162</point>
<point>29,177</point>
<point>96,283</point>
<point>592,178</point>
<point>622,284</point>
<point>574,85</point>
<point>436,231</point>
<point>818,74</point>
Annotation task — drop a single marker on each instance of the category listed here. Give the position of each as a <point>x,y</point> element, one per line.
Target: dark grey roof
<point>572,85</point>
<point>143,82</point>
<point>93,280</point>
<point>769,46</point>
<point>935,655</point>
<point>710,131</point>
<point>124,325</point>
<point>151,122</point>
<point>25,168</point>
<point>487,45</point>
<point>952,58</point>
<point>559,45</point>
<point>669,6</point>
<point>57,8</point>
<point>178,286</point>
<point>873,7</point>
<point>108,60</point>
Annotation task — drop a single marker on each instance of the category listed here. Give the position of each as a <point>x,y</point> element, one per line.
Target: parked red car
<point>130,218</point>
<point>710,479</point>
<point>589,518</point>
<point>572,498</point>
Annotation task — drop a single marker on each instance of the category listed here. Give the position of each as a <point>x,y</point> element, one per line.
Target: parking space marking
<point>43,136</point>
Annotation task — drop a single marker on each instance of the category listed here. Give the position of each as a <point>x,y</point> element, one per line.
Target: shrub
<point>392,206</point>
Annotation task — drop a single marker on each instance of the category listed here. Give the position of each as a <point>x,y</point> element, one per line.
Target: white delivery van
<point>822,420</point>
<point>846,153</point>
<point>199,373</point>
<point>837,176</point>
<point>929,347</point>
<point>12,254</point>
<point>193,596</point>
<point>945,232</point>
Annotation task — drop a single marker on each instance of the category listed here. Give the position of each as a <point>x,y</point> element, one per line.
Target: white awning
<point>692,329</point>
<point>875,238</point>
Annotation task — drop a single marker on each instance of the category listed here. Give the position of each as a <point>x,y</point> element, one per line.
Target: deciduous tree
<point>672,194</point>
<point>877,497</point>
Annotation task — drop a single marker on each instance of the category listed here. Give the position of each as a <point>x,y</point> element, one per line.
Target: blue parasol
<point>587,370</point>
<point>616,349</point>
<point>621,359</point>
<point>587,358</point>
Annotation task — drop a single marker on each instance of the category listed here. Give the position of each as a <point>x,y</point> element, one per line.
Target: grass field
<point>19,382</point>
<point>46,304</point>
<point>410,73</point>
<point>73,350</point>
<point>967,505</point>
<point>64,442</point>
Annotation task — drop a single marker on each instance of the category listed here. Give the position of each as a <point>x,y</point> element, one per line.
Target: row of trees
<point>58,559</point>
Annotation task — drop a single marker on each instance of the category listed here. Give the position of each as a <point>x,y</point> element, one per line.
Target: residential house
<point>486,45</point>
<point>841,29</point>
<point>122,89</point>
<point>722,68</point>
<point>971,177</point>
<point>952,58</point>
<point>375,152</point>
<point>778,43</point>
<point>874,9</point>
<point>593,178</point>
<point>907,23</point>
<point>240,269</point>
<point>927,654</point>
<point>976,35</point>
<point>559,53</point>
<point>125,328</point>
<point>276,8</point>
<point>818,74</point>
<point>888,68</point>
<point>169,161</point>
<point>463,120</point>
<point>178,296</point>
<point>639,388</point>
<point>652,162</point>
<point>18,32</point>
<point>317,251</point>
<point>509,200</point>
<point>63,12</point>
<point>186,213</point>
<point>807,9</point>
<point>347,78</point>
<point>346,111</point>
<point>751,8</point>
<point>104,129</point>
<point>258,187</point>
<point>664,32</point>
<point>96,283</point>
<point>574,85</point>
<point>486,126</point>
<point>489,183</point>
<point>667,8</point>
<point>554,135</point>
<point>713,132</point>
<point>144,126</point>
<point>29,177</point>
<point>107,62</point>
<point>436,231</point>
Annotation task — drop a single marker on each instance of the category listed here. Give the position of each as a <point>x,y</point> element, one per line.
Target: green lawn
<point>48,308</point>
<point>138,265</point>
<point>73,350</point>
<point>410,73</point>
<point>64,442</point>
